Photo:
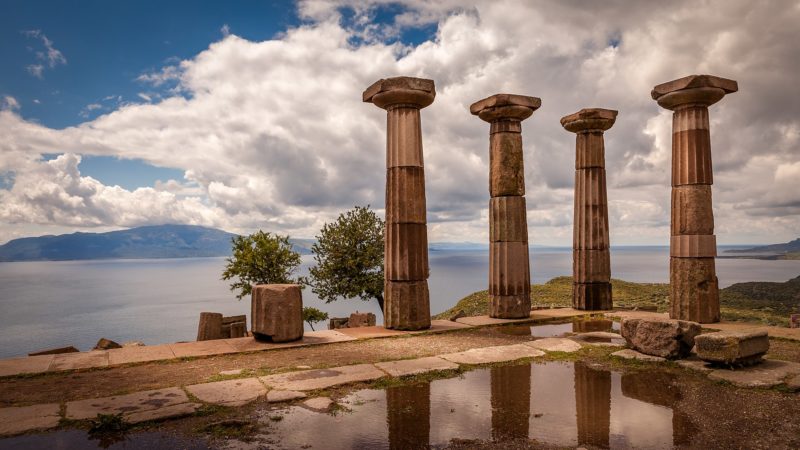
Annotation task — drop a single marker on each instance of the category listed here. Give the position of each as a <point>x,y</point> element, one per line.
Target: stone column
<point>509,269</point>
<point>694,292</point>
<point>591,261</point>
<point>511,402</point>
<point>592,405</point>
<point>407,303</point>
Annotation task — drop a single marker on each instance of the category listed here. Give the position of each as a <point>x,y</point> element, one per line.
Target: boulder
<point>732,347</point>
<point>358,319</point>
<point>106,344</point>
<point>277,312</point>
<point>55,351</point>
<point>459,314</point>
<point>666,338</point>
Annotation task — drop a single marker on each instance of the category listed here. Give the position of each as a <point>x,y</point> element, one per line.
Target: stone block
<point>767,374</point>
<point>407,305</point>
<point>666,338</point>
<point>358,319</point>
<point>732,347</point>
<point>277,312</point>
<point>504,100</point>
<point>106,344</point>
<point>591,266</point>
<point>693,82</point>
<point>277,396</point>
<point>406,252</point>
<point>691,157</point>
<point>555,345</point>
<point>693,246</point>
<point>228,392</point>
<point>20,419</point>
<point>336,323</point>
<point>408,367</point>
<point>310,380</point>
<point>54,351</point>
<point>126,404</point>
<point>694,291</point>
<point>508,221</point>
<point>210,326</point>
<point>506,167</point>
<point>490,355</point>
<point>633,354</point>
<point>384,85</point>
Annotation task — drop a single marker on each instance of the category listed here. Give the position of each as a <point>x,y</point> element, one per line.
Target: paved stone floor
<point>185,400</point>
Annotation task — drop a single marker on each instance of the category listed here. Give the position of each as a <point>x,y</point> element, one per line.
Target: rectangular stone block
<point>506,168</point>
<point>508,221</point>
<point>693,246</point>
<point>590,226</point>
<point>692,212</point>
<point>407,305</point>
<point>405,195</point>
<point>732,347</point>
<point>694,290</point>
<point>591,266</point>
<point>665,338</point>
<point>277,312</point>
<point>509,268</point>
<point>510,306</point>
<point>403,138</point>
<point>590,151</point>
<point>691,157</point>
<point>406,252</point>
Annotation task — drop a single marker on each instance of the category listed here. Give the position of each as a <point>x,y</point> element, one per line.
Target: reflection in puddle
<point>555,403</point>
<point>80,440</point>
<point>560,329</point>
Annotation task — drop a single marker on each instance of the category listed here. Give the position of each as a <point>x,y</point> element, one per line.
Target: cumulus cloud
<point>273,134</point>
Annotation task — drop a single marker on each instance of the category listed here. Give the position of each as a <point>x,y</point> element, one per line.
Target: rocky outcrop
<point>106,344</point>
<point>667,338</point>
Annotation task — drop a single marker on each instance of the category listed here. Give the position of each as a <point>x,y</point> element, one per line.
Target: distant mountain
<point>159,241</point>
<point>789,247</point>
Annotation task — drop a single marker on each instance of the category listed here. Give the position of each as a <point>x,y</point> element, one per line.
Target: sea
<point>58,303</point>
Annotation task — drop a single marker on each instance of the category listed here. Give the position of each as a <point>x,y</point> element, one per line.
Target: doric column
<point>592,405</point>
<point>509,269</point>
<point>406,304</point>
<point>694,291</point>
<point>591,262</point>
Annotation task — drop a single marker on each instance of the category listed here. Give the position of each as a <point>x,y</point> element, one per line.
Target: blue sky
<point>247,115</point>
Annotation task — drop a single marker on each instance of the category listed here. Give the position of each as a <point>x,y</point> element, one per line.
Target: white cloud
<point>225,30</point>
<point>36,70</point>
<point>49,55</point>
<point>8,103</point>
<point>274,134</point>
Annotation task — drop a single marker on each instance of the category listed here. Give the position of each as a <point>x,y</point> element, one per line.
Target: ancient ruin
<point>591,260</point>
<point>509,267</point>
<point>693,280</point>
<point>407,302</point>
<point>277,312</point>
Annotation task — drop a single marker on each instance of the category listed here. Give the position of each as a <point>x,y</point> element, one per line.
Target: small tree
<point>313,315</point>
<point>260,258</point>
<point>349,257</point>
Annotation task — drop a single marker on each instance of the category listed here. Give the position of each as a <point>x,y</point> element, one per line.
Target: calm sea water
<point>50,304</point>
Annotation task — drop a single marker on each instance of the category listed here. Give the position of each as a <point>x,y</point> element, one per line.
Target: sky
<point>247,115</point>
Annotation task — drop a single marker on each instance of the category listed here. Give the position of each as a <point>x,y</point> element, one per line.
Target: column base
<point>694,290</point>
<point>406,305</point>
<point>510,306</point>
<point>592,296</point>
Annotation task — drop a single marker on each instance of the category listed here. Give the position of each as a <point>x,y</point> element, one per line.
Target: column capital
<point>702,90</point>
<point>589,119</point>
<point>387,92</point>
<point>505,107</point>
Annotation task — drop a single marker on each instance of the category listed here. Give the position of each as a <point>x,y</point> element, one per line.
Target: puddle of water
<point>80,440</point>
<point>555,403</point>
<point>560,329</point>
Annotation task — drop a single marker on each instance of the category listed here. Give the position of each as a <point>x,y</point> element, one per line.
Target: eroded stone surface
<point>167,412</point>
<point>31,364</point>
<point>667,338</point>
<point>318,403</point>
<point>767,374</point>
<point>126,404</point>
<point>555,345</point>
<point>309,380</point>
<point>732,347</point>
<point>695,363</point>
<point>415,366</point>
<point>229,392</point>
<point>487,355</point>
<point>25,418</point>
<point>276,396</point>
<point>277,312</point>
<point>633,354</point>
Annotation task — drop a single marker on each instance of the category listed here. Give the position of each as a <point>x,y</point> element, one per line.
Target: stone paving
<point>176,401</point>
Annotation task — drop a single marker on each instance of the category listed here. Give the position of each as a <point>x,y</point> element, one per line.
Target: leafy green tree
<point>349,257</point>
<point>313,315</point>
<point>260,258</point>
